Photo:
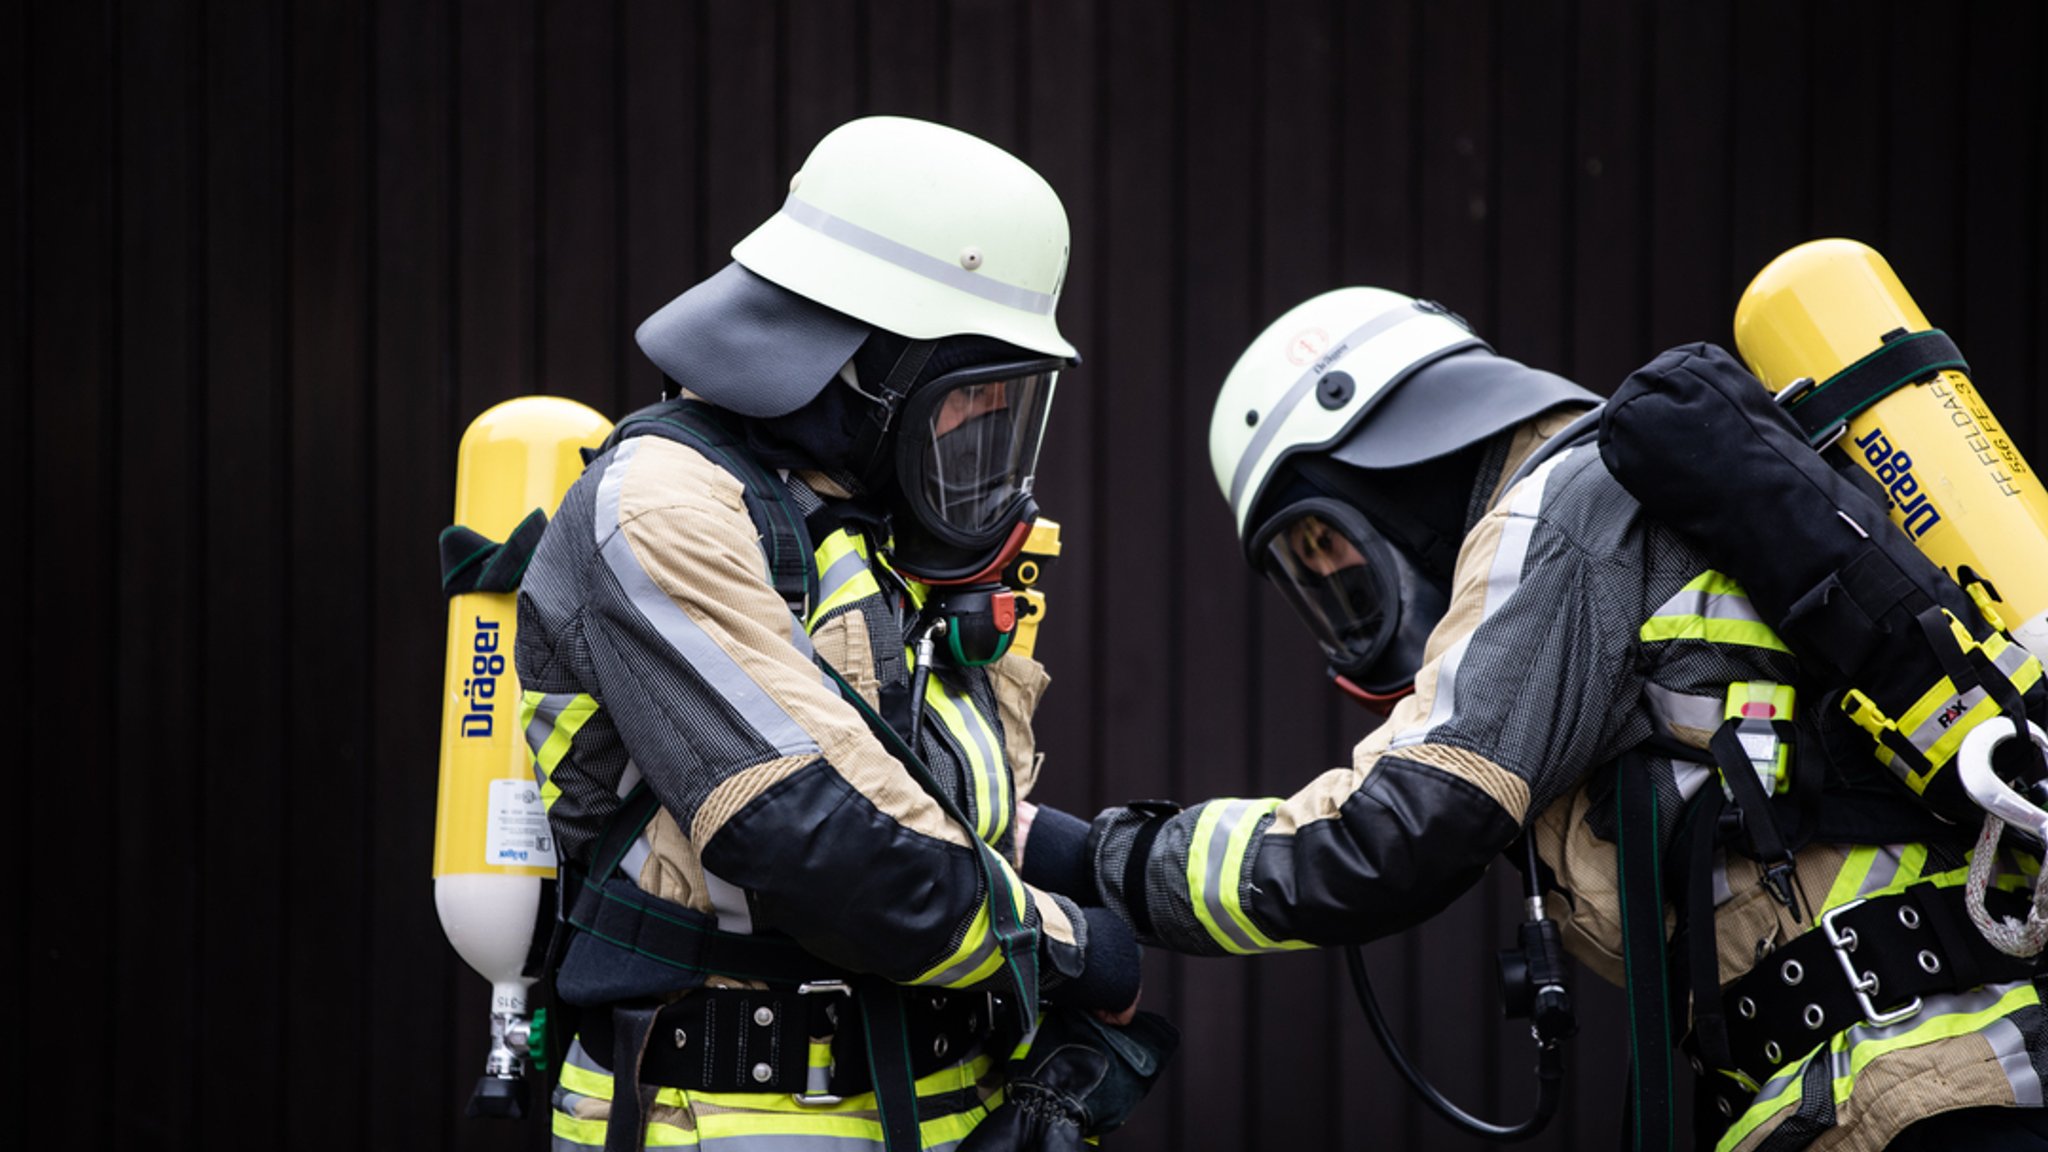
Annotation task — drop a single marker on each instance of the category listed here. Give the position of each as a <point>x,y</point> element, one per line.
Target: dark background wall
<point>264,262</point>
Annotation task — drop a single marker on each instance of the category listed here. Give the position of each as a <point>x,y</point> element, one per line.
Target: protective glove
<point>1056,855</point>
<point>1113,966</point>
<point>1081,1078</point>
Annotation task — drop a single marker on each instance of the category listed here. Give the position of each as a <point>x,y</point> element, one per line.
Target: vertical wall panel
<point>421,997</point>
<point>71,368</point>
<point>326,472</point>
<point>265,263</point>
<point>245,755</point>
<point>157,518</point>
<point>662,118</point>
<point>580,325</point>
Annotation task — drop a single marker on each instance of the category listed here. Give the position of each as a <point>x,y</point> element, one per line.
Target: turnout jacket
<point>652,646</point>
<point>1577,629</point>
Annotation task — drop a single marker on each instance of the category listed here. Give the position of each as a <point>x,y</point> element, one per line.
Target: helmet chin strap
<point>1379,703</point>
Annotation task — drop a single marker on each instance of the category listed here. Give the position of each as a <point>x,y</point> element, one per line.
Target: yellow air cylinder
<point>1959,488</point>
<point>492,850</point>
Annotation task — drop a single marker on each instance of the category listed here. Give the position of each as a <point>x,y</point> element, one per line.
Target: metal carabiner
<point>1982,782</point>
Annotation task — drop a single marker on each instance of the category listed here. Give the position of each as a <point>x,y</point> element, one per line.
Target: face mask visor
<point>1337,574</point>
<point>968,450</point>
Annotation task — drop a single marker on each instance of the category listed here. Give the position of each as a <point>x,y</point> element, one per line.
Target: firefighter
<point>1553,663</point>
<point>794,911</point>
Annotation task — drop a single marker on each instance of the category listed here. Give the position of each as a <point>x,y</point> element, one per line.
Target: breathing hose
<point>1531,978</point>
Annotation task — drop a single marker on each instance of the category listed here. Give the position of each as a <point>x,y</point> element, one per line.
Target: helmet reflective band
<point>1368,605</point>
<point>920,230</point>
<point>969,450</point>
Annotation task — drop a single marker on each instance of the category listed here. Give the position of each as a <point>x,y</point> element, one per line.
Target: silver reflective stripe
<point>1213,879</point>
<point>1270,422</point>
<point>992,764</point>
<point>606,521</point>
<point>578,1058</point>
<point>1690,777</point>
<point>1501,582</point>
<point>1884,868</point>
<point>729,900</point>
<point>2010,1046</point>
<point>844,569</point>
<point>1711,606</point>
<point>634,862</point>
<point>1675,710</point>
<point>719,670</point>
<point>965,967</point>
<point>545,714</point>
<point>915,262</point>
<point>628,780</point>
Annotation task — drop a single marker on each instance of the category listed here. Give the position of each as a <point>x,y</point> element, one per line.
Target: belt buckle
<point>1843,941</point>
<point>808,1098</point>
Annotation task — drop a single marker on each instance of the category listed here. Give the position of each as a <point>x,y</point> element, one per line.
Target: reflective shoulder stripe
<point>843,574</point>
<point>1216,854</point>
<point>1713,608</point>
<point>1503,577</point>
<point>977,739</point>
<point>551,721</point>
<point>720,672</point>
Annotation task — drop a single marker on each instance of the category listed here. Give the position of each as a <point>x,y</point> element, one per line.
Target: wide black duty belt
<point>761,1040</point>
<point>1868,962</point>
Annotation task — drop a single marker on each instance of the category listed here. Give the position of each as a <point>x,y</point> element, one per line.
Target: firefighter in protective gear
<point>1547,652</point>
<point>796,921</point>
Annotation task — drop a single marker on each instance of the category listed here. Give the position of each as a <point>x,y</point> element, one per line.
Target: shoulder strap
<point>784,540</point>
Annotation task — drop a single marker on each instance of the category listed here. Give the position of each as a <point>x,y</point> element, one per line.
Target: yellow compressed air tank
<point>492,848</point>
<point>1958,485</point>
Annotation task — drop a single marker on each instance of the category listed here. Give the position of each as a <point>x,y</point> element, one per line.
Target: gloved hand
<point>1054,848</point>
<point>1081,1078</point>
<point>1109,983</point>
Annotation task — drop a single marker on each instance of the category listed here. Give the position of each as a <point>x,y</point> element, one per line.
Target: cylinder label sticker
<point>517,831</point>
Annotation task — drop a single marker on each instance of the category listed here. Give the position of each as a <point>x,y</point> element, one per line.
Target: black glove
<point>1056,856</point>
<point>1114,966</point>
<point>1082,1078</point>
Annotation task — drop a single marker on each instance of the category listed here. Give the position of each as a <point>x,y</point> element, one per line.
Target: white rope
<point>2006,934</point>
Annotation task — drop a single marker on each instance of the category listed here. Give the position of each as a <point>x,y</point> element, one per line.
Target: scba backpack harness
<point>1915,660</point>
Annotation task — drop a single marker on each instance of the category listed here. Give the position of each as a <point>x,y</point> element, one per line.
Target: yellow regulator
<point>1828,327</point>
<point>493,853</point>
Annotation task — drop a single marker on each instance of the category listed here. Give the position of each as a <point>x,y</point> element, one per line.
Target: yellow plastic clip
<point>1981,593</point>
<point>1865,712</point>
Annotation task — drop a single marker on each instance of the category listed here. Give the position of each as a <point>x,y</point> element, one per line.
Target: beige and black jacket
<point>652,647</point>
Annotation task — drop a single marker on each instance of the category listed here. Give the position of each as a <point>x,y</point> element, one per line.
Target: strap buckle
<point>1843,941</point>
<point>808,1098</point>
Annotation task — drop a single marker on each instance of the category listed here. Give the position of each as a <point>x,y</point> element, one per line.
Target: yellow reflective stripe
<point>591,1132</point>
<point>976,959</point>
<point>574,713</point>
<point>1216,854</point>
<point>1711,607</point>
<point>1848,1053</point>
<point>1752,633</point>
<point>978,742</point>
<point>1849,881</point>
<point>843,574</point>
<point>1861,1053</point>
